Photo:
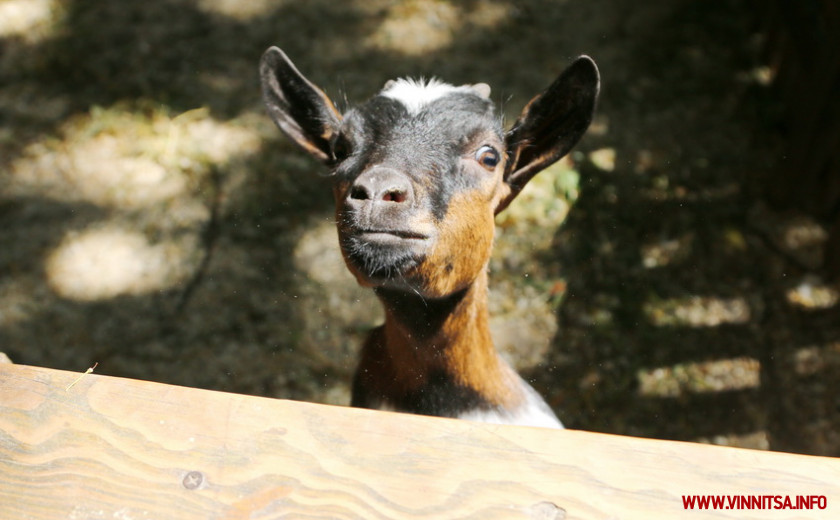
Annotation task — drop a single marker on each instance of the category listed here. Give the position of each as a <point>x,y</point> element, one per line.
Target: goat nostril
<point>394,196</point>
<point>379,185</point>
<point>359,193</point>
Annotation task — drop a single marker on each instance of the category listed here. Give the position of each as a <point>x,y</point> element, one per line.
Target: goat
<point>419,172</point>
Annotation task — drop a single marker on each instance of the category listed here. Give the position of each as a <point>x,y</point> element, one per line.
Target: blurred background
<point>674,277</point>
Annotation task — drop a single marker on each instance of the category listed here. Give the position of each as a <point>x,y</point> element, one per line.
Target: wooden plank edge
<point>107,447</point>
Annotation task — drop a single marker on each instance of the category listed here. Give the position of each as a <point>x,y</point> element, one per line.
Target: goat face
<point>421,169</point>
<point>416,186</point>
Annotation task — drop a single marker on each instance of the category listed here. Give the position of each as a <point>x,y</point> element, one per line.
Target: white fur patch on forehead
<point>415,94</point>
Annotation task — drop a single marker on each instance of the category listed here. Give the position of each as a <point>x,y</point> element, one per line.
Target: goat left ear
<point>297,106</point>
<point>550,125</point>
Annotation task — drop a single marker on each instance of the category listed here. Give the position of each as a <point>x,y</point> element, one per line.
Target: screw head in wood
<point>193,480</point>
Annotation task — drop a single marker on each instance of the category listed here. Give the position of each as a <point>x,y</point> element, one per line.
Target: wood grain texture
<point>111,448</point>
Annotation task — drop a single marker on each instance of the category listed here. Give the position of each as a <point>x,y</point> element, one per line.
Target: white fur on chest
<point>532,412</point>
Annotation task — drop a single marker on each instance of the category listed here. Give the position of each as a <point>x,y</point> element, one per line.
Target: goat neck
<point>444,342</point>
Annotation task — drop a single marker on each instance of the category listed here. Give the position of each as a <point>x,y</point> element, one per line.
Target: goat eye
<point>487,156</point>
<point>341,148</point>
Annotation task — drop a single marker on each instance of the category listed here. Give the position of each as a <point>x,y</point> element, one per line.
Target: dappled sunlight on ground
<point>117,157</point>
<point>417,27</point>
<point>697,311</point>
<point>31,20</point>
<point>813,360</point>
<point>542,205</point>
<point>702,377</point>
<point>128,161</point>
<point>813,293</point>
<point>666,251</point>
<point>238,9</point>
<point>105,262</point>
<point>603,159</point>
<point>759,440</point>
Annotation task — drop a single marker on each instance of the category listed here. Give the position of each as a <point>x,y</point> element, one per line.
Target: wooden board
<point>111,448</point>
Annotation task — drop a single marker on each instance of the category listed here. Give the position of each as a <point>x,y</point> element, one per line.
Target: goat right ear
<point>551,124</point>
<point>299,108</point>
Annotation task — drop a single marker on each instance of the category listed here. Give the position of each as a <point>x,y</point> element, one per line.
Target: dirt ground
<point>154,221</point>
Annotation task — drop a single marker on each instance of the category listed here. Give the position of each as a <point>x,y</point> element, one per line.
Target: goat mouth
<point>386,235</point>
<point>379,254</point>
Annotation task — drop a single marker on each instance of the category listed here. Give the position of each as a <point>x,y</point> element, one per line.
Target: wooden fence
<point>100,447</point>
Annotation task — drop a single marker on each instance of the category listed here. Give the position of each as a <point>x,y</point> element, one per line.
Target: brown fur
<point>398,359</point>
<point>461,253</point>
